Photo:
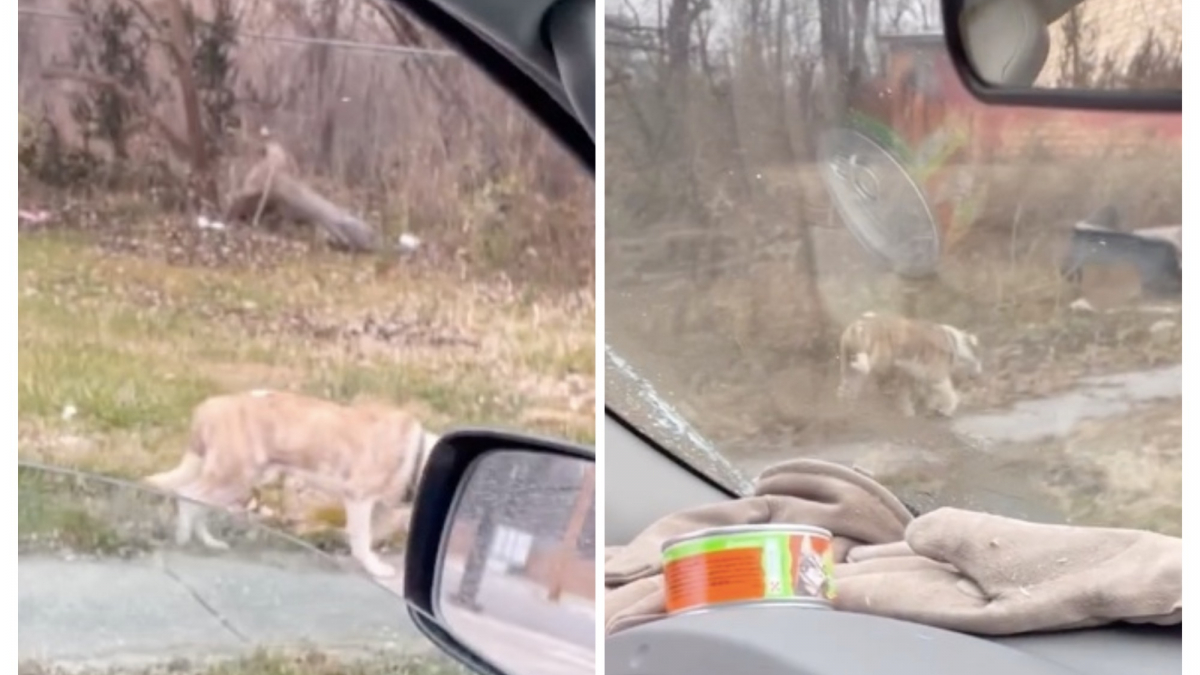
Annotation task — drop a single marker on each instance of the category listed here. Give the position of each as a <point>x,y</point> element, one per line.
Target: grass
<point>119,342</point>
<point>49,517</point>
<point>266,663</point>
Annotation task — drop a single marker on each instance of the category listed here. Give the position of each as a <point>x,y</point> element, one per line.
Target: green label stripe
<point>723,543</point>
<point>782,572</point>
<point>777,569</point>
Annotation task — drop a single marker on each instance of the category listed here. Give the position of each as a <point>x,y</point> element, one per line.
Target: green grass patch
<point>467,395</point>
<point>116,349</point>
<point>110,388</point>
<point>50,515</point>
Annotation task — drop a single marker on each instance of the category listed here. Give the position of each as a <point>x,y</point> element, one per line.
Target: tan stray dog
<point>366,454</point>
<point>920,358</point>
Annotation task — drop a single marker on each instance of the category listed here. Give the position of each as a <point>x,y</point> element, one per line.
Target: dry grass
<point>1136,467</point>
<point>740,354</point>
<point>420,145</point>
<point>131,341</point>
<point>744,349</point>
<point>1121,471</point>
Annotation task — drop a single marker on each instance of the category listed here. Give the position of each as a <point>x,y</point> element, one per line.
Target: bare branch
<point>178,143</point>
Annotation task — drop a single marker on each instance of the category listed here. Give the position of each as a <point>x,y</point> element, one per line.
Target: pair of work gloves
<point>950,568</point>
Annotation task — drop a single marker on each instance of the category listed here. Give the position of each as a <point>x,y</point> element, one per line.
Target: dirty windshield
<point>320,204</point>
<point>818,244</point>
<point>102,589</point>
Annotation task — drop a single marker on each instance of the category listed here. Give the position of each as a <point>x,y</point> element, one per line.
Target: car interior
<point>645,483</point>
<point>542,52</point>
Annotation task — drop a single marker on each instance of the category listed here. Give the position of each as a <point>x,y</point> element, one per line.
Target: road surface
<point>174,605</point>
<point>512,599</point>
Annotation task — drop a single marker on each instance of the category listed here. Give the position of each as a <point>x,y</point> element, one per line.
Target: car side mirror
<point>1087,54</point>
<point>500,568</point>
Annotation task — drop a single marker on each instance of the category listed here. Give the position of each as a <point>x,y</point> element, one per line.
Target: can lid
<point>728,530</point>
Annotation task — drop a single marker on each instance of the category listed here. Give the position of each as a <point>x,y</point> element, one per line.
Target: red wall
<point>1003,132</point>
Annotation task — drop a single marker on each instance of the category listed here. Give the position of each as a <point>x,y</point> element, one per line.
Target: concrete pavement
<point>179,605</point>
<point>187,605</point>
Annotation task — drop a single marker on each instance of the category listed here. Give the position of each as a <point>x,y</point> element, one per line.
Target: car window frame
<point>499,66</point>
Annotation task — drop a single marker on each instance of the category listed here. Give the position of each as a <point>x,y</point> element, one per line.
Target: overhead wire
<point>377,47</point>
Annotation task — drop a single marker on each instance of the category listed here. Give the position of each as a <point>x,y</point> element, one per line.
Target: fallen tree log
<point>271,185</point>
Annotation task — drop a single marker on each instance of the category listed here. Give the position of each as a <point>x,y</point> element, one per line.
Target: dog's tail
<point>187,471</point>
<point>189,468</point>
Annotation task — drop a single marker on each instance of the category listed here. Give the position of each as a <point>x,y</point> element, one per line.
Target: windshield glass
<point>103,589</point>
<point>776,169</point>
<point>323,200</point>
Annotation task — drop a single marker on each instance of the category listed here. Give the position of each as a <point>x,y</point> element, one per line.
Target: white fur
<point>964,349</point>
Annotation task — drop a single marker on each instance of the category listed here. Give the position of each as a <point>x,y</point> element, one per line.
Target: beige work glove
<point>978,573</point>
<point>852,506</point>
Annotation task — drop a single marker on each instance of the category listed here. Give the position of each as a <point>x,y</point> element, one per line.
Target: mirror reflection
<point>517,577</point>
<point>1076,44</point>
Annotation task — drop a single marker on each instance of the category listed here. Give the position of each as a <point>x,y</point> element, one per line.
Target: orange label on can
<point>748,566</point>
<point>719,576</point>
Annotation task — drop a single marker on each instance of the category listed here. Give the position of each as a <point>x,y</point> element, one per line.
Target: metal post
<point>570,540</point>
<point>468,588</point>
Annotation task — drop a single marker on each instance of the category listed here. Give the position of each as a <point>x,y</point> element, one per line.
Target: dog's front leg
<point>358,531</point>
<point>392,521</point>
<point>906,399</point>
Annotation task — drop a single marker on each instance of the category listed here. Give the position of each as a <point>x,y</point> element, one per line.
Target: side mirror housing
<point>500,565</point>
<point>1083,54</point>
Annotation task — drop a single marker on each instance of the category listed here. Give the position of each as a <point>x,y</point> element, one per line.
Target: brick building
<point>919,93</point>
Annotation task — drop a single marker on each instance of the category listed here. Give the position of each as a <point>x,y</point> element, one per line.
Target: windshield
<point>323,200</point>
<point>777,169</point>
<point>103,589</point>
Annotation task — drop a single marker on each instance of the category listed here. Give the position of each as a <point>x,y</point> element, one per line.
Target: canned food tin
<point>752,564</point>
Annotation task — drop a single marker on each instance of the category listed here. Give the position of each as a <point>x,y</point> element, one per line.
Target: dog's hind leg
<point>193,515</point>
<point>906,400</point>
<point>193,519</point>
<point>185,521</point>
<point>945,398</point>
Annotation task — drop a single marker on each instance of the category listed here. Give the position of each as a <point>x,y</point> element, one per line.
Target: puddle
<point>1056,416</point>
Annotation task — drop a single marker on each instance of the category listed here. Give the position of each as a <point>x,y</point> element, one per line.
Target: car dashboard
<point>791,640</point>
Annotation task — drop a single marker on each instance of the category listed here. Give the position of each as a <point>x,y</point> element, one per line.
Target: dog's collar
<point>410,490</point>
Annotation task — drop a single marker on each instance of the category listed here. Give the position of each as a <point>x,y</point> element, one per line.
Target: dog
<point>920,359</point>
<point>366,454</point>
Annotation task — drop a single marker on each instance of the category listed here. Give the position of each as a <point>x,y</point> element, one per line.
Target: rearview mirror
<point>501,566</point>
<point>1099,54</point>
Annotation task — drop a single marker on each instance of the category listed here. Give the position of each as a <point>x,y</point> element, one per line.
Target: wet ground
<point>1106,452</point>
<point>1057,416</point>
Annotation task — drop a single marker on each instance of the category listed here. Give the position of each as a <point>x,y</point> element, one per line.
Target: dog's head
<point>966,352</point>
